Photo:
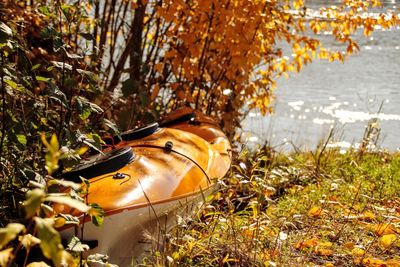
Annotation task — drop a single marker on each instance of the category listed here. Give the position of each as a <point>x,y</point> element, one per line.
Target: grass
<point>304,209</point>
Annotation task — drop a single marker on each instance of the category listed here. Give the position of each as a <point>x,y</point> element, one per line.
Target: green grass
<point>304,209</point>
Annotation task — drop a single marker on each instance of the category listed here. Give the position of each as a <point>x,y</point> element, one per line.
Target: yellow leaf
<point>59,222</point>
<point>34,199</point>
<point>297,4</point>
<point>393,263</point>
<point>5,256</point>
<point>325,244</point>
<point>29,241</point>
<point>358,252</point>
<point>315,211</point>
<point>54,145</point>
<point>324,251</point>
<point>82,150</point>
<point>10,232</point>
<point>373,262</point>
<point>387,241</point>
<point>368,216</point>
<point>383,229</point>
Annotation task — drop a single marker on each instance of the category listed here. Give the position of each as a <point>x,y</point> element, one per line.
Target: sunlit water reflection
<point>343,96</point>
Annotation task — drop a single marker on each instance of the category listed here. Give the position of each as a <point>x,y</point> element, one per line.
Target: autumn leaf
<point>29,241</point>
<point>310,243</point>
<point>358,252</point>
<point>386,241</point>
<point>373,262</point>
<point>315,212</point>
<point>393,263</point>
<point>368,216</point>
<point>97,214</point>
<point>38,264</point>
<point>382,229</point>
<point>349,245</point>
<point>69,201</point>
<point>34,199</point>
<point>9,233</point>
<point>324,251</point>
<point>5,256</point>
<point>50,240</point>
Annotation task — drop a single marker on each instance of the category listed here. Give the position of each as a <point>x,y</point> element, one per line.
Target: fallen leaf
<point>393,263</point>
<point>368,216</point>
<point>324,252</point>
<point>383,229</point>
<point>373,262</point>
<point>387,241</point>
<point>325,244</point>
<point>315,212</point>
<point>307,244</point>
<point>349,245</point>
<point>358,252</point>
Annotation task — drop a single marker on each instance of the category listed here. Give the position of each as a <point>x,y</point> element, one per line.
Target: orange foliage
<point>214,45</point>
<point>220,56</point>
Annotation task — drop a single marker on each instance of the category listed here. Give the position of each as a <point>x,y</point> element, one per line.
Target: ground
<point>322,208</point>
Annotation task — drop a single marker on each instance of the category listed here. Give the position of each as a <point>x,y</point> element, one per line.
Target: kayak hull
<point>172,171</point>
<point>125,237</point>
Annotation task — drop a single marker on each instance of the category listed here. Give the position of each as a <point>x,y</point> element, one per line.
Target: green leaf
<point>86,108</point>
<point>97,214</point>
<point>12,84</point>
<point>76,245</point>
<point>9,233</point>
<point>66,200</point>
<point>42,79</point>
<point>85,113</point>
<point>34,199</point>
<point>22,139</point>
<point>16,86</point>
<point>50,240</point>
<point>35,67</point>
<point>45,10</point>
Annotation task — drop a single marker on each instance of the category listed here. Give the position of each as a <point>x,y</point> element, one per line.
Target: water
<point>343,96</point>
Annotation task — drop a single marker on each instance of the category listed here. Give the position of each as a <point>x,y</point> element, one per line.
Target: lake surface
<point>345,97</point>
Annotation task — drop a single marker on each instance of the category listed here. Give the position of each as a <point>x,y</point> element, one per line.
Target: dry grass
<point>295,210</point>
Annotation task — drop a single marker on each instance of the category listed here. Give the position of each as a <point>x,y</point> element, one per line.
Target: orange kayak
<point>148,176</point>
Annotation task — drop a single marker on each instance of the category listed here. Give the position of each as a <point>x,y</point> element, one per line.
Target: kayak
<point>145,178</point>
